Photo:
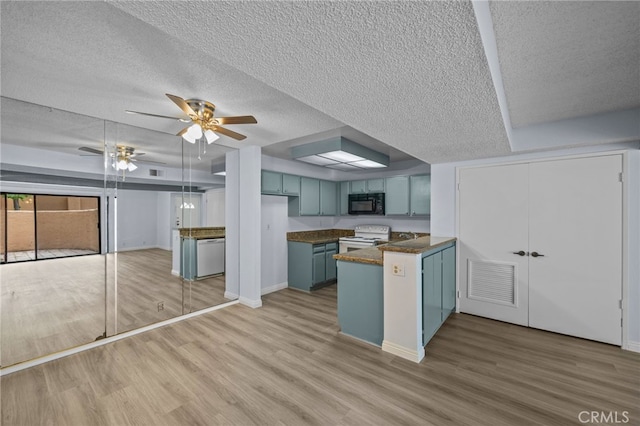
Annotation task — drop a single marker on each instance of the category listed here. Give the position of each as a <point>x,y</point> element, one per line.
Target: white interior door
<point>576,223</point>
<point>493,224</point>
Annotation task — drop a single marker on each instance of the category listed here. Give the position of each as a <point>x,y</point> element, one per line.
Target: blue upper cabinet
<point>369,185</point>
<point>420,195</point>
<point>290,185</point>
<point>328,198</point>
<point>397,196</point>
<point>344,198</point>
<point>309,196</point>
<point>271,182</point>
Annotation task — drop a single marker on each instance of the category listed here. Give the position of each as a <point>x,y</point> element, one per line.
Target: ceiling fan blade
<point>184,120</point>
<point>241,119</point>
<point>182,104</point>
<point>229,133</point>
<point>91,150</point>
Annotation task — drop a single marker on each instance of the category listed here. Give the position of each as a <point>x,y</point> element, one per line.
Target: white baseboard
<point>138,248</point>
<point>402,352</point>
<point>230,296</point>
<point>632,346</point>
<point>252,303</point>
<point>273,288</point>
<point>174,272</point>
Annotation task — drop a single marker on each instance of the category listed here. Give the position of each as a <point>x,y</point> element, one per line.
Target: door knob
<point>520,253</point>
<point>536,254</point>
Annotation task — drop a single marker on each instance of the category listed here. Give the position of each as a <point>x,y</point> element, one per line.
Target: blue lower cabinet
<point>310,266</point>
<point>360,301</point>
<point>188,258</point>
<point>438,289</point>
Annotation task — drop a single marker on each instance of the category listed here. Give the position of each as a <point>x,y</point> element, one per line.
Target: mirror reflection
<point>105,228</point>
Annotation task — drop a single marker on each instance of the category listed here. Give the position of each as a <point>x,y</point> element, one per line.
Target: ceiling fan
<point>123,159</point>
<point>201,114</point>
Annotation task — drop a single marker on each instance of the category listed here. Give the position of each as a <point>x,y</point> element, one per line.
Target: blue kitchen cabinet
<point>271,182</point>
<point>438,288</point>
<point>309,196</point>
<point>397,196</point>
<point>290,185</point>
<point>365,186</point>
<point>344,198</point>
<point>420,195</point>
<point>311,266</point>
<point>328,198</point>
<point>361,301</point>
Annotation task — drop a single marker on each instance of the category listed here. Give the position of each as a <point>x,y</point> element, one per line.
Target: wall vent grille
<point>492,282</point>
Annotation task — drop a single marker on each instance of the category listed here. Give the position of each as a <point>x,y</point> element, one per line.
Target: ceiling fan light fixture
<point>122,164</point>
<point>211,136</point>
<point>193,134</point>
<point>131,167</point>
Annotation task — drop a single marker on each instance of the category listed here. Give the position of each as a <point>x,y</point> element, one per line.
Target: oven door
<point>346,246</point>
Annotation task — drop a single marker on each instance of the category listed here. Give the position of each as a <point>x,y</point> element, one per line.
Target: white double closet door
<point>541,245</point>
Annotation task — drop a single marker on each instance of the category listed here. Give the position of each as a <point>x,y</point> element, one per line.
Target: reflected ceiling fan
<point>201,114</point>
<point>123,159</point>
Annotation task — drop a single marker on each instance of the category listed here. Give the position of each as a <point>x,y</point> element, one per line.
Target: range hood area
<point>341,154</point>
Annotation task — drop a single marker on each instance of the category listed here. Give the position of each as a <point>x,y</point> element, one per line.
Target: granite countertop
<point>370,255</point>
<point>418,245</point>
<point>319,236</point>
<point>203,233</point>
<point>374,255</point>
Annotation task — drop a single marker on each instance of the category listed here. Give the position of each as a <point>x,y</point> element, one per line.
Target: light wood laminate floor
<point>56,304</point>
<point>286,363</point>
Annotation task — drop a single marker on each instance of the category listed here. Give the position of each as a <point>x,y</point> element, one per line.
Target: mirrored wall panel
<point>105,228</point>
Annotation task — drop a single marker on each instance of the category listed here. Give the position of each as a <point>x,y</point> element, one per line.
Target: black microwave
<point>366,203</point>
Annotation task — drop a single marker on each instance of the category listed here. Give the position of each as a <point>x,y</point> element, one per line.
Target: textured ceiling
<point>568,59</point>
<point>405,77</point>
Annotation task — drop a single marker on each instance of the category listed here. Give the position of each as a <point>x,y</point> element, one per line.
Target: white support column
<point>403,306</point>
<point>249,225</point>
<point>232,225</point>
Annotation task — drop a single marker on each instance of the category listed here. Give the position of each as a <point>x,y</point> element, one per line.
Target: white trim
<point>230,296</point>
<point>121,249</point>
<point>632,346</point>
<point>107,340</point>
<point>252,303</point>
<point>275,287</point>
<point>402,352</point>
<point>177,274</point>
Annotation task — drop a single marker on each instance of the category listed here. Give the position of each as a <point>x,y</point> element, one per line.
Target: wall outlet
<point>160,306</point>
<point>397,269</point>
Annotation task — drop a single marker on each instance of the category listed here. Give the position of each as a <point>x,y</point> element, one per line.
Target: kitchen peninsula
<point>397,295</point>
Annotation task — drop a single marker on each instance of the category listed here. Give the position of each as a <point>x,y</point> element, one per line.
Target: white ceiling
<point>405,77</point>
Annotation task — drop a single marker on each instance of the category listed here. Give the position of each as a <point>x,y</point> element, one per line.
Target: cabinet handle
<point>520,253</point>
<point>536,254</point>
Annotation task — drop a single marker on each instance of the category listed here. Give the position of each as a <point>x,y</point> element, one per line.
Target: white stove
<point>365,236</point>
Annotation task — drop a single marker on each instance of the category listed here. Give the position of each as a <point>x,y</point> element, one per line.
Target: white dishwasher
<point>210,257</point>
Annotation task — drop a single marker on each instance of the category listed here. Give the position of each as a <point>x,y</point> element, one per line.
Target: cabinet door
<point>328,198</point>
<point>448,281</point>
<point>319,271</point>
<point>271,182</point>
<point>358,186</point>
<point>309,196</point>
<point>431,295</point>
<point>397,196</point>
<point>290,184</point>
<point>330,264</point>
<point>344,198</point>
<point>420,187</point>
<point>375,185</point>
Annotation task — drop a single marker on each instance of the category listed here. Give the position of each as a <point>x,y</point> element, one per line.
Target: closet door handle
<point>520,253</point>
<point>536,254</point>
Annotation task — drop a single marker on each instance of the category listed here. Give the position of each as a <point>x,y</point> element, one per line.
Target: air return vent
<point>156,172</point>
<point>492,282</point>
